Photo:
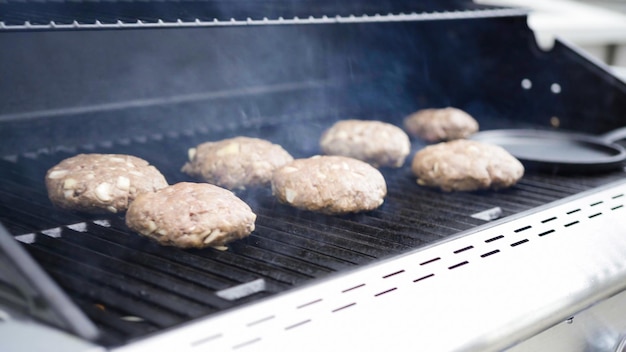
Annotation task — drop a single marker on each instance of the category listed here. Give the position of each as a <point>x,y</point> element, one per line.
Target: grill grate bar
<point>105,238</point>
<point>211,260</point>
<point>337,236</point>
<point>114,329</point>
<point>217,270</point>
<point>26,194</point>
<point>429,200</point>
<point>564,183</point>
<point>34,221</point>
<point>334,253</point>
<point>426,199</point>
<point>305,253</point>
<point>280,261</point>
<point>99,292</point>
<point>165,291</point>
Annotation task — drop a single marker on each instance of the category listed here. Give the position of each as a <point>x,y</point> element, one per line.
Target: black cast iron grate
<point>130,286</point>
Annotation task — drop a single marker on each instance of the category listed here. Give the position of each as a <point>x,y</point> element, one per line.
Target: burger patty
<point>98,183</point>
<point>435,125</point>
<point>464,165</point>
<point>375,142</point>
<point>191,215</point>
<point>236,163</point>
<point>330,185</point>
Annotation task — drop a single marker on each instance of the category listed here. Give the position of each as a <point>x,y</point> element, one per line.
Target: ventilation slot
<point>387,291</point>
<point>463,249</point>
<point>316,301</point>
<point>297,324</point>
<point>263,320</point>
<point>545,233</point>
<point>458,265</point>
<point>518,243</point>
<point>494,239</point>
<point>393,274</point>
<point>424,277</point>
<point>490,253</point>
<point>353,288</point>
<point>430,261</point>
<point>205,340</point>
<point>247,343</point>
<point>343,307</point>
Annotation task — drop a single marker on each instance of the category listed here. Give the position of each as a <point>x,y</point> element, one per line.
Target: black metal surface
<point>130,286</point>
<point>557,151</point>
<point>66,12</point>
<point>125,83</point>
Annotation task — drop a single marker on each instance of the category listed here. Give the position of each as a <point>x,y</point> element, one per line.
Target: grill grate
<point>130,286</point>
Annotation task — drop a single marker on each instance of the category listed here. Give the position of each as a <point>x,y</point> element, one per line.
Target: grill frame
<point>327,89</point>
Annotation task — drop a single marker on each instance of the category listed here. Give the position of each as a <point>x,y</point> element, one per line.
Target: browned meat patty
<point>191,215</point>
<point>435,125</point>
<point>465,165</point>
<point>236,163</point>
<point>98,183</point>
<point>330,185</point>
<point>375,142</point>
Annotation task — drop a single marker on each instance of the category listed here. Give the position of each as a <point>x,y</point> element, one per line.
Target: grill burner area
<point>130,286</point>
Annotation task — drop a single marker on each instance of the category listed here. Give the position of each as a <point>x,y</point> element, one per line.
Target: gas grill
<point>538,265</point>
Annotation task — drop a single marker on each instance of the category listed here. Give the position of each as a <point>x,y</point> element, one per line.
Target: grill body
<point>154,92</point>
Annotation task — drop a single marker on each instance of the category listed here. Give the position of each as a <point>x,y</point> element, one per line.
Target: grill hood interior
<point>73,87</point>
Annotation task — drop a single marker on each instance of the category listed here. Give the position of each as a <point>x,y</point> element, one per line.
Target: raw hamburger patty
<point>435,125</point>
<point>191,215</point>
<point>375,142</point>
<point>330,185</point>
<point>236,163</point>
<point>465,165</point>
<point>98,183</point>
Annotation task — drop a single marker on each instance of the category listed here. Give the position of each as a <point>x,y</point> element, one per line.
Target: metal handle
<point>614,135</point>
<point>621,345</point>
